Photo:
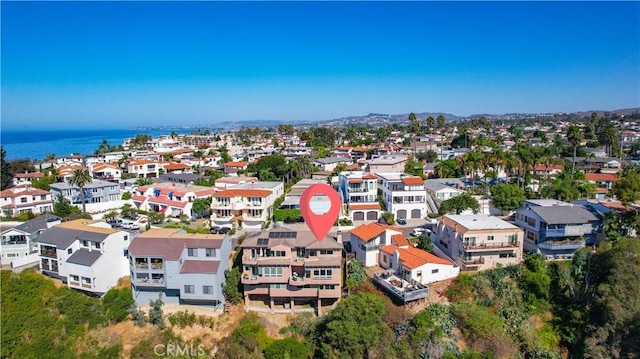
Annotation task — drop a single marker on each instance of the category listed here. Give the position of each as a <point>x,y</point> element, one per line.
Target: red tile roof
<point>601,177</point>
<point>399,240</point>
<point>369,176</point>
<point>412,257</point>
<point>193,266</point>
<point>14,194</point>
<point>242,192</point>
<point>28,175</point>
<point>236,164</point>
<point>176,166</point>
<point>167,201</point>
<point>355,180</point>
<point>412,180</point>
<point>364,206</point>
<point>369,231</point>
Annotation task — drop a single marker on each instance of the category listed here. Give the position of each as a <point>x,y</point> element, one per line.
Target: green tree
<point>62,207</point>
<point>289,348</point>
<point>574,136</point>
<point>414,168</point>
<point>126,196</point>
<point>43,183</point>
<point>627,188</point>
<point>116,304</point>
<point>155,312</point>
<point>142,181</point>
<point>448,169</point>
<point>232,288</point>
<point>81,178</point>
<point>424,243</point>
<point>5,170</point>
<point>459,204</point>
<point>507,197</point>
<point>201,206</point>
<point>353,328</point>
<point>430,156</point>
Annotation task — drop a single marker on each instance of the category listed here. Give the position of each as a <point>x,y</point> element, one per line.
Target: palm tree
<point>415,128</point>
<point>574,136</point>
<point>608,136</point>
<point>81,178</point>
<point>430,123</point>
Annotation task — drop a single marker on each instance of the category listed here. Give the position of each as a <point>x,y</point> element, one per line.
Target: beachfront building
<point>291,271</point>
<point>98,195</point>
<point>25,199</point>
<point>178,267</point>
<point>359,191</point>
<point>478,242</point>
<point>415,265</point>
<point>404,195</point>
<point>246,205</point>
<point>19,245</point>
<point>86,255</point>
<point>169,198</point>
<point>23,179</point>
<point>106,171</point>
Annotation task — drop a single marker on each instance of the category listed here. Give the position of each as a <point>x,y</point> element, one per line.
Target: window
<point>490,238</point>
<point>326,251</point>
<point>384,259</point>
<point>271,253</point>
<point>23,200</point>
<point>189,289</point>
<point>434,271</point>
<point>86,280</point>
<point>419,273</point>
<point>531,221</point>
<point>126,238</point>
<point>224,213</point>
<point>322,273</point>
<point>43,197</point>
<point>210,252</point>
<point>271,271</point>
<point>207,289</point>
<point>126,253</point>
<point>70,250</point>
<point>192,252</point>
<point>96,245</point>
<point>313,253</point>
<point>224,201</point>
<point>327,286</point>
<point>75,278</point>
<point>278,286</point>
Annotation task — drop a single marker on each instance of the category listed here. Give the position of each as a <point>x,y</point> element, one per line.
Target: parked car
<point>131,226</point>
<point>214,230</point>
<point>418,231</point>
<point>402,221</point>
<point>115,223</point>
<point>224,230</point>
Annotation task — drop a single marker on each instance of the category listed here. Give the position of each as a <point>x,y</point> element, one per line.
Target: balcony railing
<point>142,266</point>
<point>77,284</point>
<point>371,247</point>
<point>486,245</point>
<point>556,245</point>
<point>157,266</point>
<point>569,231</point>
<point>51,254</point>
<point>475,261</point>
<point>85,285</point>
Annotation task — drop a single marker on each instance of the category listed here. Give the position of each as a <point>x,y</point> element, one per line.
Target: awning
<point>162,210</point>
<point>170,195</point>
<point>156,192</point>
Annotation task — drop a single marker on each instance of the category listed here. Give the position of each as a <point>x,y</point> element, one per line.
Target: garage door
<point>372,215</point>
<point>415,213</point>
<point>402,213</point>
<point>358,216</point>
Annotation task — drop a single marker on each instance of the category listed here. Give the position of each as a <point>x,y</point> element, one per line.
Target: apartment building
<point>359,191</point>
<point>404,195</point>
<point>86,255</point>
<point>16,200</point>
<point>478,242</point>
<point>20,244</point>
<point>557,229</point>
<point>169,198</point>
<point>178,267</point>
<point>290,271</point>
<point>247,205</point>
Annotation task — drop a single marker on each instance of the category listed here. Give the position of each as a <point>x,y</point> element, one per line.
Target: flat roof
<point>480,222</point>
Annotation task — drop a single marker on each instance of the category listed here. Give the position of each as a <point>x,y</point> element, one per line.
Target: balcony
<point>568,231</point>
<point>562,245</point>
<point>51,253</point>
<point>473,261</point>
<point>249,279</point>
<point>85,285</point>
<point>357,190</point>
<point>372,247</point>
<point>299,261</point>
<point>142,266</point>
<point>485,245</point>
<point>76,284</point>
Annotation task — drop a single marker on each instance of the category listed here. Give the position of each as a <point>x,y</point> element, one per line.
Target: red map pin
<point>320,224</point>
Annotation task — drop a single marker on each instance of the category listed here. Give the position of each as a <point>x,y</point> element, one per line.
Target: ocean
<point>38,144</point>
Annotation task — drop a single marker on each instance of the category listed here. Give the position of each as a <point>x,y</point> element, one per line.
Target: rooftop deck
<point>400,288</point>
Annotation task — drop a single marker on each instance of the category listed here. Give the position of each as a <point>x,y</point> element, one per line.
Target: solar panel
<point>279,235</point>
<point>263,241</point>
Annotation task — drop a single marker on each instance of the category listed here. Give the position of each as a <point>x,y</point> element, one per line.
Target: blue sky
<point>124,64</point>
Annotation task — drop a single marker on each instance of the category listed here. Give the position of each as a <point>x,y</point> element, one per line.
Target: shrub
<point>155,313</point>
<point>182,319</point>
<point>126,196</point>
<point>116,304</point>
<point>389,218</point>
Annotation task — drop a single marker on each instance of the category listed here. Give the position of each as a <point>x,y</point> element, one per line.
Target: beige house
<point>478,242</point>
<point>291,271</point>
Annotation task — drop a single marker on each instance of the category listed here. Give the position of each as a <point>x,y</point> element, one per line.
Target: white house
<point>359,191</point>
<point>19,244</point>
<point>86,255</point>
<point>247,205</point>
<point>169,198</point>
<point>404,195</point>
<point>180,267</point>
<point>16,200</point>
<point>367,239</point>
<point>410,263</point>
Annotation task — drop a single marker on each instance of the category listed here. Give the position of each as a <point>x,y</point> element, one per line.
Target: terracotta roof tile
<point>364,206</point>
<point>369,231</point>
<point>601,177</point>
<point>412,257</point>
<point>412,180</point>
<point>235,164</point>
<point>399,240</point>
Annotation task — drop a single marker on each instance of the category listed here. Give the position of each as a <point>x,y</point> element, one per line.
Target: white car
<point>131,226</point>
<point>418,231</point>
